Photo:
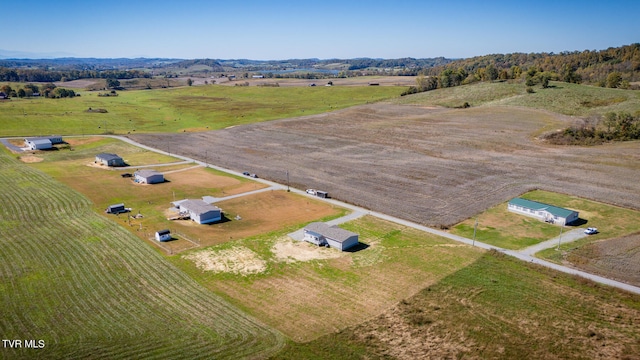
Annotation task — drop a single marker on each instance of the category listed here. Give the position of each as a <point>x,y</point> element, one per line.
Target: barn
<point>200,211</point>
<point>163,235</point>
<point>108,159</point>
<point>549,213</point>
<point>322,234</point>
<point>148,177</point>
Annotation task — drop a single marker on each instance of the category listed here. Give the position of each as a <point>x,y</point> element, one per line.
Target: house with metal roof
<point>200,211</point>
<point>38,143</point>
<point>321,234</point>
<point>148,177</point>
<point>108,159</point>
<point>545,212</point>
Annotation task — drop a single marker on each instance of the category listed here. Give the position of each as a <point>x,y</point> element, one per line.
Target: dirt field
<point>617,259</point>
<point>353,81</point>
<point>433,166</point>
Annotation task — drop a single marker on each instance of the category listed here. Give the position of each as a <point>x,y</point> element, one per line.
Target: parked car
<point>311,191</point>
<point>591,231</point>
<point>246,173</point>
<point>253,176</point>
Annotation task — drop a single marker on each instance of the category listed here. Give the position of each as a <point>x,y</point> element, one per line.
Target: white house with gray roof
<point>108,159</point>
<point>321,234</point>
<point>199,211</point>
<point>148,177</point>
<point>43,143</point>
<point>549,213</point>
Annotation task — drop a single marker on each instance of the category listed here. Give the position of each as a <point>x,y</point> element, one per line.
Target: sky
<point>279,30</point>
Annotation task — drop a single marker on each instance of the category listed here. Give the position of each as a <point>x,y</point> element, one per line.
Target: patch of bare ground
<point>238,260</point>
<point>30,159</point>
<point>352,81</point>
<point>289,251</point>
<point>615,258</point>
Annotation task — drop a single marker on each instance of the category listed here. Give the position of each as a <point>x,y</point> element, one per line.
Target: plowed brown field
<point>432,166</point>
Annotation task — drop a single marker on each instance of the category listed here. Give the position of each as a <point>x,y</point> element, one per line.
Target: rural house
<point>549,213</point>
<point>322,234</point>
<point>199,211</point>
<point>108,159</point>
<point>148,177</point>
<point>43,143</point>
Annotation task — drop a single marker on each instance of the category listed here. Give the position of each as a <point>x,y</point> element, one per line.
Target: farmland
<point>184,109</point>
<point>402,294</point>
<point>495,308</point>
<point>90,289</point>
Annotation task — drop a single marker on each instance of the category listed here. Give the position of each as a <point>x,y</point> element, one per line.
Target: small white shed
<point>163,235</point>
<point>148,177</point>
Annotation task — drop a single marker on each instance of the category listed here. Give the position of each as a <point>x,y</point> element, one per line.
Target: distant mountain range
<point>8,54</point>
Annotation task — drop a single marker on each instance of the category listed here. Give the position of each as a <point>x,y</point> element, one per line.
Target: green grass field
<point>198,108</point>
<point>500,227</point>
<point>90,289</point>
<point>496,308</point>
<point>562,98</point>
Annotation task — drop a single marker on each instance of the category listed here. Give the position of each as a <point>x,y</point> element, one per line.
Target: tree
<point>614,79</point>
<point>113,83</point>
<point>21,93</point>
<point>491,73</point>
<point>189,82</point>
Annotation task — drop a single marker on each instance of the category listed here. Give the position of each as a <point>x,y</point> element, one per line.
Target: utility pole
<point>288,181</point>
<point>475,227</point>
<point>560,237</point>
<point>206,158</point>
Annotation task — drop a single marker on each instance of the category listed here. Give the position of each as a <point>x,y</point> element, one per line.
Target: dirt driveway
<point>431,166</point>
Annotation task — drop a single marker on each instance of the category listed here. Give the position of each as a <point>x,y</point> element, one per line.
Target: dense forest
<point>613,67</point>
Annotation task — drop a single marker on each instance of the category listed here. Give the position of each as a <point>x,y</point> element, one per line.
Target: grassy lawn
<point>496,308</point>
<point>90,289</point>
<point>178,109</point>
<point>305,291</point>
<point>497,226</point>
<point>560,97</point>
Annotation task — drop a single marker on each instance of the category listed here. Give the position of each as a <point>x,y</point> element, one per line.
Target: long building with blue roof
<point>545,212</point>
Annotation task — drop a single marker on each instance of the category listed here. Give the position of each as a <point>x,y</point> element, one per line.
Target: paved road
<point>10,146</point>
<point>522,254</point>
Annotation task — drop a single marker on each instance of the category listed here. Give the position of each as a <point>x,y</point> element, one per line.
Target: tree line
<point>44,75</point>
<point>48,90</point>
<point>613,67</point>
<point>612,126</point>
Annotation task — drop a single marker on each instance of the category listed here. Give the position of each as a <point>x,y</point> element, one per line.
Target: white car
<point>591,231</point>
<point>311,191</point>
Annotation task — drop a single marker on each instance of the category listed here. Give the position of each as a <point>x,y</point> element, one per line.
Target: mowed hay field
<point>306,291</point>
<point>90,289</point>
<point>258,213</point>
<point>496,308</point>
<point>197,108</point>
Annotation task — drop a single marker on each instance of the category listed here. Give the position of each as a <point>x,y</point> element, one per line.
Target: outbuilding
<point>38,144</point>
<point>321,234</point>
<point>116,209</point>
<point>200,211</point>
<point>148,177</point>
<point>108,159</point>
<point>545,212</point>
<point>163,235</point>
